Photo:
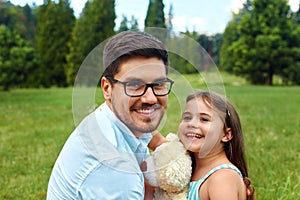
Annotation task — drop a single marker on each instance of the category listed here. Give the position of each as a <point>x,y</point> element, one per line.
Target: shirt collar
<point>135,144</point>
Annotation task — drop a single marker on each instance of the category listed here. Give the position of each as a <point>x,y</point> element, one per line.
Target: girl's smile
<point>201,127</point>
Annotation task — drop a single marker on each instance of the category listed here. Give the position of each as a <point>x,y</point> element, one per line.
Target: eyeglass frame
<point>151,85</point>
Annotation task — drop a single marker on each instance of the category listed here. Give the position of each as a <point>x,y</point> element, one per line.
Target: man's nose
<point>149,96</point>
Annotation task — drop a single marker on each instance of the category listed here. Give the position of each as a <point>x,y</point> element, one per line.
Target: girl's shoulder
<point>229,181</point>
<point>222,182</point>
<point>225,174</point>
<point>227,169</point>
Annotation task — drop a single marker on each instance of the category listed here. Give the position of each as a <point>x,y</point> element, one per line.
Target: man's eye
<point>160,83</point>
<point>135,84</point>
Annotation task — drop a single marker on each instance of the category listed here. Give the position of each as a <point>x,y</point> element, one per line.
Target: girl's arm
<point>230,186</point>
<point>157,140</point>
<point>149,191</point>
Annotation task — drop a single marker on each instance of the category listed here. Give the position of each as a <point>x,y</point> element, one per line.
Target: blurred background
<point>43,43</point>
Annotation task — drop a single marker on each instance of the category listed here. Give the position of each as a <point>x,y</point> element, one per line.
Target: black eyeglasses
<point>137,88</point>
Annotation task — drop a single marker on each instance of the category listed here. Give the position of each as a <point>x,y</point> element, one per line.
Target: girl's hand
<point>157,140</point>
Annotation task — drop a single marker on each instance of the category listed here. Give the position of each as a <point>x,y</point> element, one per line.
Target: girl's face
<point>201,128</point>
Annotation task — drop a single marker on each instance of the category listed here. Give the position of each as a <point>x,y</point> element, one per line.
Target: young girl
<point>210,129</point>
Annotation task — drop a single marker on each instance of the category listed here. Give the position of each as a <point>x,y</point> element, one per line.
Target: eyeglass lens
<point>137,88</point>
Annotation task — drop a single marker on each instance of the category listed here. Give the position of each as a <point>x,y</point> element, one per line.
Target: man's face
<point>140,114</point>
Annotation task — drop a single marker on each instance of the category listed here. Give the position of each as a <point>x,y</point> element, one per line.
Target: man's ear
<point>227,135</point>
<point>106,88</point>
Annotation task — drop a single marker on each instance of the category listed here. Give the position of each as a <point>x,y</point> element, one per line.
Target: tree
<point>29,23</point>
<point>185,55</point>
<point>212,45</point>
<point>230,35</point>
<point>169,23</point>
<point>124,24</point>
<point>203,40</point>
<point>291,74</point>
<point>264,45</point>
<point>216,46</point>
<point>17,59</point>
<point>134,25</point>
<point>226,54</point>
<point>297,15</point>
<point>95,24</point>
<point>55,23</point>
<point>20,19</point>
<point>155,14</point>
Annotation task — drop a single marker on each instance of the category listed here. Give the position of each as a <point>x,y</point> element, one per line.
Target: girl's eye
<point>204,119</point>
<point>186,118</point>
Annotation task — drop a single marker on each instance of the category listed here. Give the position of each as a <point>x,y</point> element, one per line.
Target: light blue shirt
<point>100,160</point>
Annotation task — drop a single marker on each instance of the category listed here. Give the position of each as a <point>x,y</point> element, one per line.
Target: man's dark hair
<point>130,44</point>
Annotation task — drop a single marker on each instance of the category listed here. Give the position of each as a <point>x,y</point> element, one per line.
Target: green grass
<point>35,123</point>
<point>270,118</point>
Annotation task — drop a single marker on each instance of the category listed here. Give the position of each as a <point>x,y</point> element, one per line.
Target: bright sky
<point>200,15</point>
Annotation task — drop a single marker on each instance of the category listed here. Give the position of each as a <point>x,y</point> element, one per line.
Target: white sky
<point>200,15</point>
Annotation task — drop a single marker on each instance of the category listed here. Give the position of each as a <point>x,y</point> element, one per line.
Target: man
<point>101,158</point>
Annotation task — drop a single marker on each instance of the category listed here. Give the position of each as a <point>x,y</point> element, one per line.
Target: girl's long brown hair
<point>234,149</point>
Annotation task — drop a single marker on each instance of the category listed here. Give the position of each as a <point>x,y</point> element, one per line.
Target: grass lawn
<point>35,123</point>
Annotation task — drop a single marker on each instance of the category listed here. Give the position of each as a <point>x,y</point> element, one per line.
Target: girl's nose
<point>194,122</point>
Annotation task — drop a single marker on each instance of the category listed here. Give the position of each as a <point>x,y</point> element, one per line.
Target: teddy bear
<point>169,169</point>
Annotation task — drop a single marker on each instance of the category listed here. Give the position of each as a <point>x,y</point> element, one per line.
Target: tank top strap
<point>224,166</point>
<point>195,185</point>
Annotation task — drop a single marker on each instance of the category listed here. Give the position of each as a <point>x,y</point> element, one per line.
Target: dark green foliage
<point>155,14</point>
<point>17,54</point>
<point>291,74</point>
<point>55,23</point>
<point>134,23</point>
<point>297,16</point>
<point>231,34</point>
<point>48,43</point>
<point>216,46</point>
<point>212,45</point>
<point>226,54</point>
<point>20,19</point>
<point>17,59</point>
<point>95,24</point>
<point>187,55</point>
<point>262,42</point>
<point>204,40</point>
<point>124,24</point>
<point>128,24</point>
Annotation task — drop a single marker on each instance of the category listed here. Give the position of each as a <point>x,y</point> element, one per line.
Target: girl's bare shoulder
<point>226,184</point>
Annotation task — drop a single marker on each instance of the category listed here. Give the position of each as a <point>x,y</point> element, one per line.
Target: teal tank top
<point>195,185</point>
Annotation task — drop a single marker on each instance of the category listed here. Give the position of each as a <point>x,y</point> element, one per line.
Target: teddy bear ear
<point>172,137</point>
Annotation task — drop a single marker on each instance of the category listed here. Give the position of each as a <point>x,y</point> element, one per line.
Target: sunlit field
<point>35,123</point>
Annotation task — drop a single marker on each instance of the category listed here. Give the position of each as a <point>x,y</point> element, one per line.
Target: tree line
<point>263,41</point>
<point>44,46</point>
